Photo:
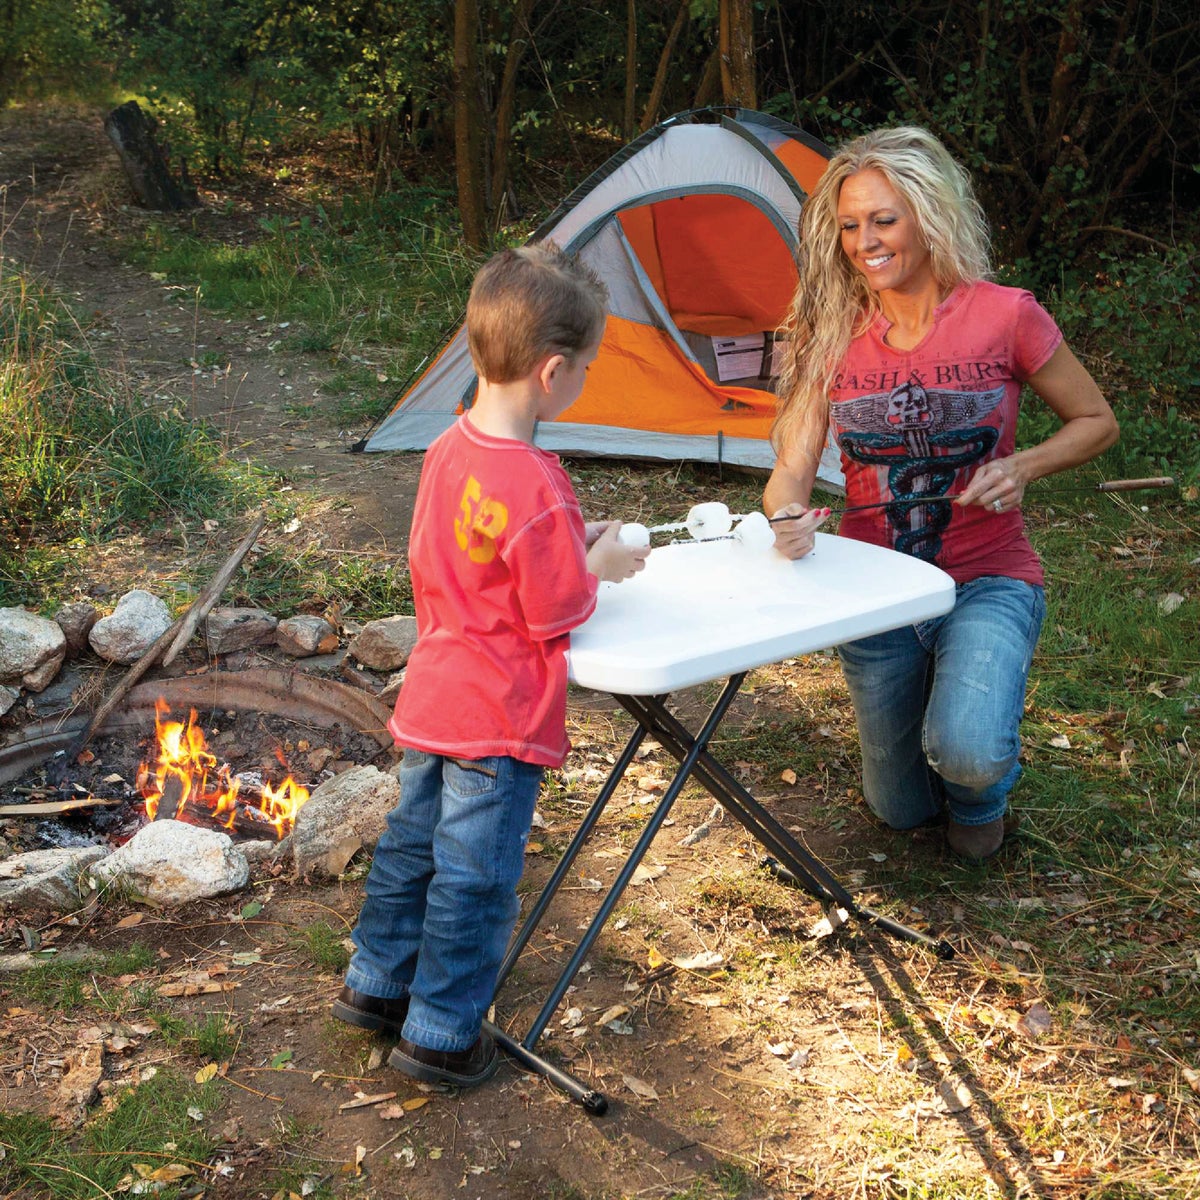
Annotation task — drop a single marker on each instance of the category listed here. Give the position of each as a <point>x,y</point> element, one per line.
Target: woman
<point>902,348</point>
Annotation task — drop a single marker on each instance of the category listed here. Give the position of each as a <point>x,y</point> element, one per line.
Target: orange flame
<point>183,755</point>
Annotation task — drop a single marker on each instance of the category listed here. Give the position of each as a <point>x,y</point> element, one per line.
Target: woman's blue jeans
<point>939,705</point>
<point>441,897</point>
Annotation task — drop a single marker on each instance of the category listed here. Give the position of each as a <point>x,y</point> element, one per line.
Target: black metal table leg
<point>791,863</point>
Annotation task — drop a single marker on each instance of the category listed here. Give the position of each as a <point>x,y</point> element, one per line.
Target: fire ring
<point>290,695</point>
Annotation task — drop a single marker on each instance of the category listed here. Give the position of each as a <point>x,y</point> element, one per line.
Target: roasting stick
<point>167,646</point>
<point>1113,485</point>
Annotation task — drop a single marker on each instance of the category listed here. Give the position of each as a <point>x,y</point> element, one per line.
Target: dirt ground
<point>741,1056</point>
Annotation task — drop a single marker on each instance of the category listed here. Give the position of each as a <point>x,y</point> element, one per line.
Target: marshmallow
<point>709,520</point>
<point>754,530</point>
<point>633,534</point>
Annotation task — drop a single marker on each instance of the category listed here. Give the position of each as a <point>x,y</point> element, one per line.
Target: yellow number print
<point>481,522</point>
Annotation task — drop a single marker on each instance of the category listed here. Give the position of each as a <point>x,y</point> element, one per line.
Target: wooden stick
<point>169,643</point>
<point>1113,485</point>
<point>51,807</point>
<point>212,593</point>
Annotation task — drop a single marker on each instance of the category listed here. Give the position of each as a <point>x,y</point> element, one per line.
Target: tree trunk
<point>468,123</point>
<point>664,61</point>
<point>710,81</point>
<point>518,43</point>
<point>630,68</point>
<point>736,41</point>
<point>132,132</point>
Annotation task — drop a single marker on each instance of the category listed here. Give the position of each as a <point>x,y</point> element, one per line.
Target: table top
<point>706,610</point>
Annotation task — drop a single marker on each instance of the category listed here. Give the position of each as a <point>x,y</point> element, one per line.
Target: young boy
<point>503,568</point>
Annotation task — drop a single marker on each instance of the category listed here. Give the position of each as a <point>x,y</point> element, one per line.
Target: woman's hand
<point>998,485</point>
<point>611,560</point>
<point>795,538</point>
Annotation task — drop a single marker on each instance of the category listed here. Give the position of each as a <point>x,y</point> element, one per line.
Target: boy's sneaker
<point>450,1068</point>
<point>371,1012</point>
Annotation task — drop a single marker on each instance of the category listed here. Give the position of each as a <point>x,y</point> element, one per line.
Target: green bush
<point>1131,319</point>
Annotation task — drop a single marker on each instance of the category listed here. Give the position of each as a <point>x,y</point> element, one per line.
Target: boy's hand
<point>592,530</point>
<point>609,559</point>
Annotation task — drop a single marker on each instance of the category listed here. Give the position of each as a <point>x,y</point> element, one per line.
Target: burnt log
<point>132,132</point>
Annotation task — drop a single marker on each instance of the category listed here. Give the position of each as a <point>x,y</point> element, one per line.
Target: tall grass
<point>84,454</point>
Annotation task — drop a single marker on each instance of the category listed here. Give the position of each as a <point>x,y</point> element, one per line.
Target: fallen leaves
<point>364,1101</point>
<point>1035,1022</point>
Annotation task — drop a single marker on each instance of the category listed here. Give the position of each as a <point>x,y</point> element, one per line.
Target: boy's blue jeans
<point>938,705</point>
<point>441,897</point>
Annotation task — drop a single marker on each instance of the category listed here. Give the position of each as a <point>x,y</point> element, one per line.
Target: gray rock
<point>76,621</point>
<point>172,862</point>
<point>229,629</point>
<point>385,645</point>
<point>8,697</point>
<point>137,622</point>
<point>31,648</point>
<point>352,806</point>
<point>46,879</point>
<point>305,635</point>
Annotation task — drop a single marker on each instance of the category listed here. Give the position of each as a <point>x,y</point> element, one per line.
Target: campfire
<point>187,783</point>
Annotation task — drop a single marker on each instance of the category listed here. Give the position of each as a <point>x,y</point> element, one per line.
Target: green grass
<point>85,456</point>
<point>149,1127</point>
<point>212,1039</point>
<point>65,986</point>
<point>320,945</point>
<point>373,286</point>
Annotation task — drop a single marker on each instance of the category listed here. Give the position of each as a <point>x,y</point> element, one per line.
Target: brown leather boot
<point>975,842</point>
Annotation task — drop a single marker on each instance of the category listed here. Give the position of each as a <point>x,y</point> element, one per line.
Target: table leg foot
<point>592,1101</point>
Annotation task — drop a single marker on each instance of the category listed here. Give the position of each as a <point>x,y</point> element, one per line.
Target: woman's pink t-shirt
<point>919,423</point>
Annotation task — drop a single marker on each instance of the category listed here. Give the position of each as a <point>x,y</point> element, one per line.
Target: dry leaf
<point>788,776</point>
<point>825,926</point>
<point>1193,1078</point>
<point>639,1087</point>
<point>953,1097</point>
<point>615,1013</point>
<point>170,1173</point>
<point>706,960</point>
<point>706,1000</point>
<point>655,959</point>
<point>338,857</point>
<point>1035,1022</point>
<point>391,1112</point>
<point>1169,603</point>
<point>361,1101</point>
<point>415,1102</point>
<point>645,874</point>
<point>130,921</point>
<point>206,1072</point>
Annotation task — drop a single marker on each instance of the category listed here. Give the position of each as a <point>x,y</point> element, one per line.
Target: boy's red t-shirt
<point>920,422</point>
<point>498,564</point>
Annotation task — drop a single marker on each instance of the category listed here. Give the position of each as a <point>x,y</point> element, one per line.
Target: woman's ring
<point>998,505</point>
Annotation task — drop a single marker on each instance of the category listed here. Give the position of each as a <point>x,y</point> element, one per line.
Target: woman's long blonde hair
<point>833,303</point>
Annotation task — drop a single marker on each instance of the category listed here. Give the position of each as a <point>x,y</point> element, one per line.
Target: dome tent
<point>692,226</point>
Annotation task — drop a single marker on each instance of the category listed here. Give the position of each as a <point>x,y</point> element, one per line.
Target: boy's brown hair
<point>529,302</point>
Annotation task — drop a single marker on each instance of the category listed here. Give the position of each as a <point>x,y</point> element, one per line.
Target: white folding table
<point>703,611</point>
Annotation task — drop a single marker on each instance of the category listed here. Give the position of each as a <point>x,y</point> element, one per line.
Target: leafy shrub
<point>1131,319</point>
